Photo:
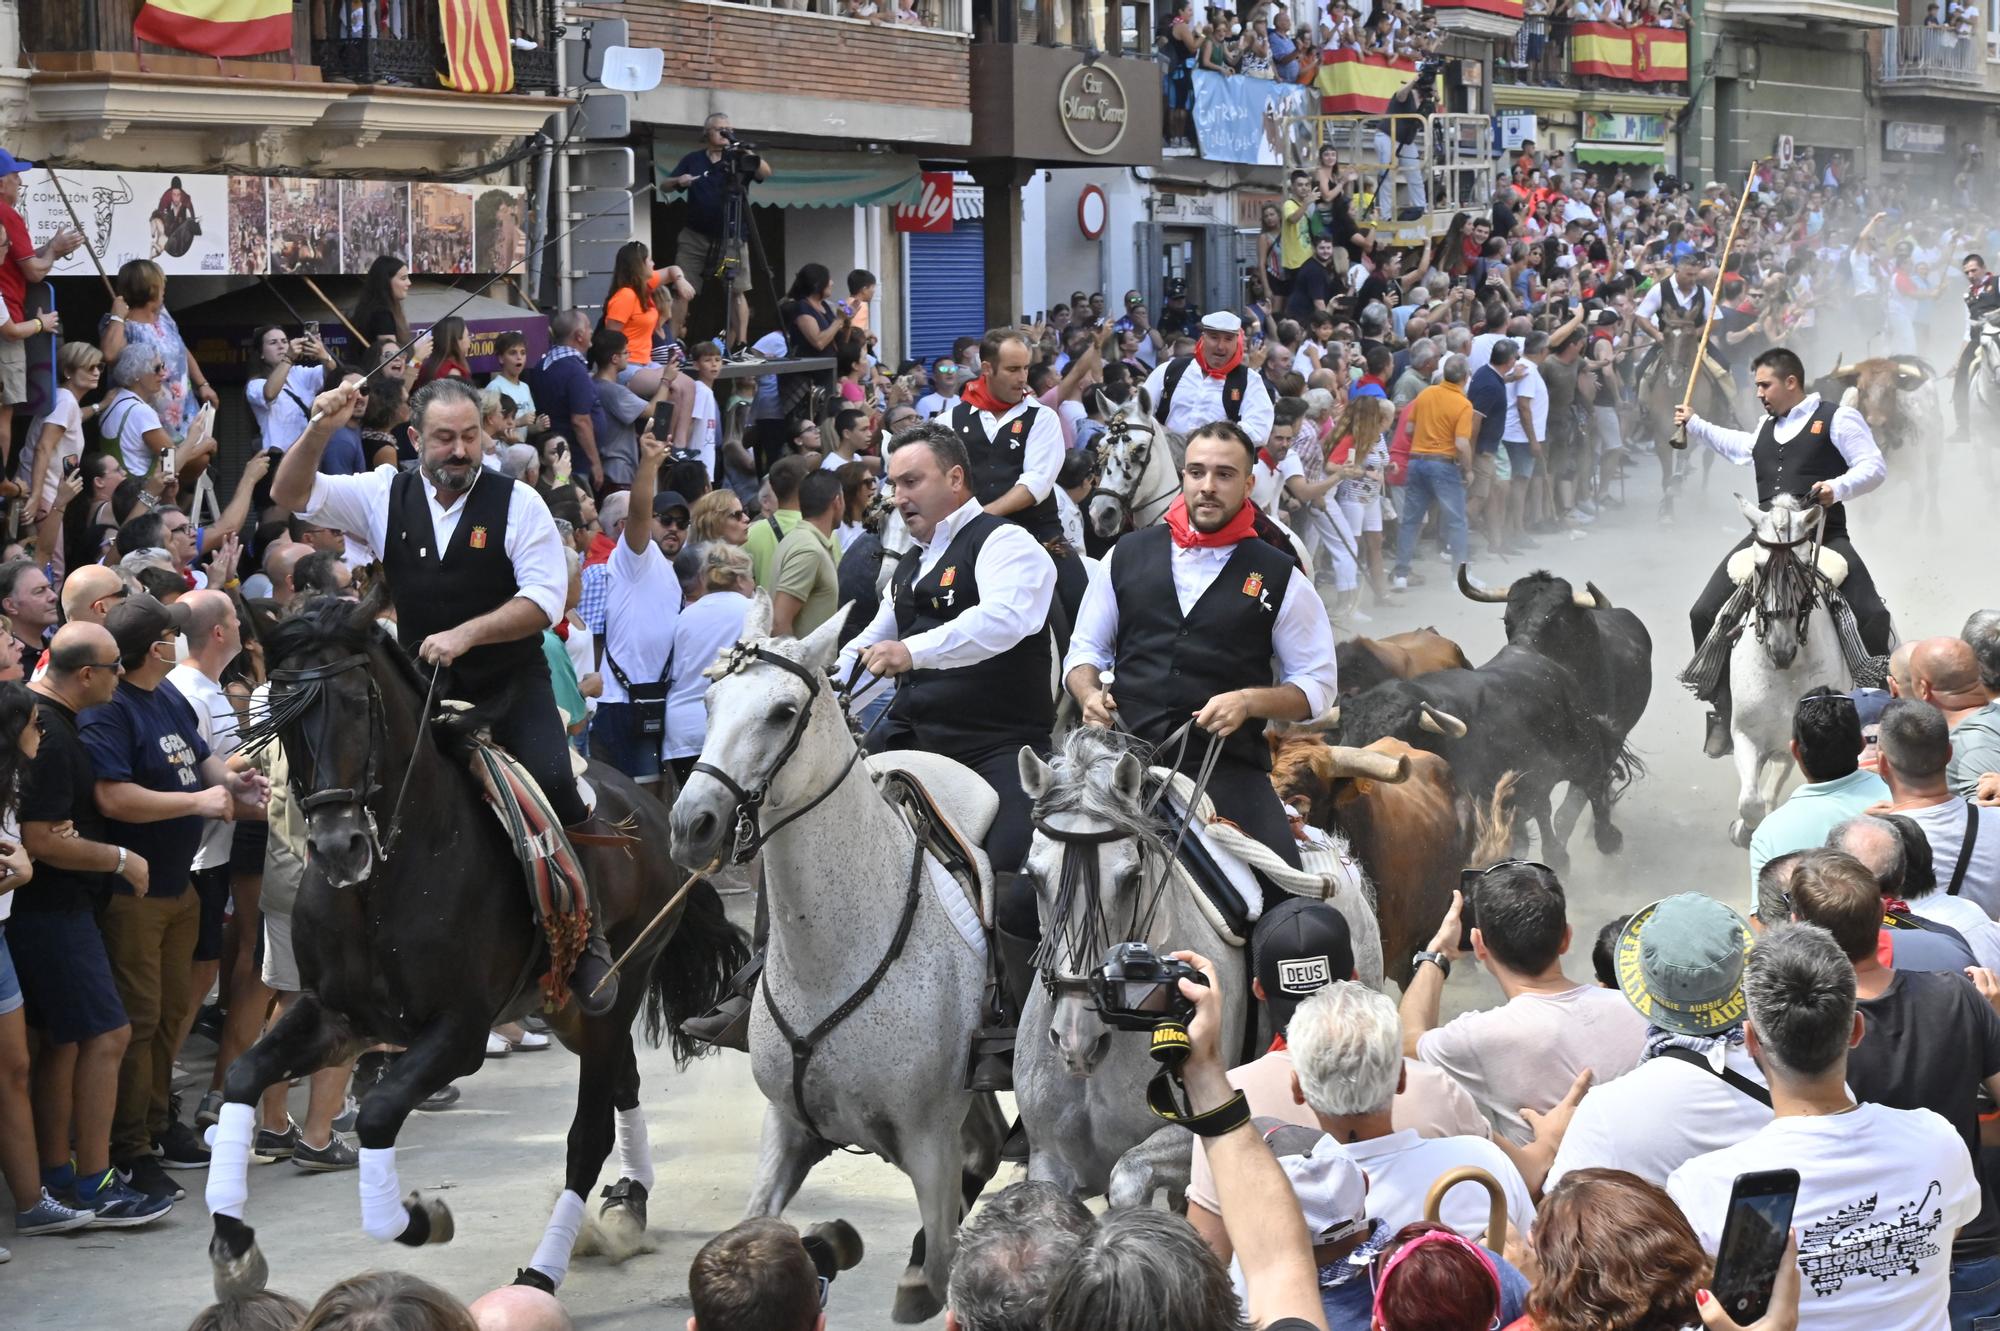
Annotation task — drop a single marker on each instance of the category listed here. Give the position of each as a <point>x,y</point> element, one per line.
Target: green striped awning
<point>801,179</point>
<point>1652,154</point>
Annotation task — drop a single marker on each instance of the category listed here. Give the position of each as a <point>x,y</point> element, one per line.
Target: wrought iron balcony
<point>401,43</point>
<point>1917,57</point>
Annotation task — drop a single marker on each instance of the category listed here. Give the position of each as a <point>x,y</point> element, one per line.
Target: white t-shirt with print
<point>1881,1193</point>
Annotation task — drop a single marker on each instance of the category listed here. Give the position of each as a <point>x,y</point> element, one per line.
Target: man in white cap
<point>1214,384</point>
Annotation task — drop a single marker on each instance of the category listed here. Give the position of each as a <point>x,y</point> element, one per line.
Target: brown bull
<point>1896,396</point>
<point>1365,662</point>
<point>1404,818</point>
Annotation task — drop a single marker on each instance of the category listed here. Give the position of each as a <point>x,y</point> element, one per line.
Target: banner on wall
<point>1350,83</point>
<point>1241,119</point>
<point>194,225</point>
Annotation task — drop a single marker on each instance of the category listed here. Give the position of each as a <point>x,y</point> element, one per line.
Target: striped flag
<point>1661,55</point>
<point>216,27</point>
<point>1601,49</point>
<point>476,54</point>
<point>1350,83</point>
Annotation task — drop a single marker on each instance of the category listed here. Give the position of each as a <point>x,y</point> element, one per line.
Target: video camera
<point>740,159</point>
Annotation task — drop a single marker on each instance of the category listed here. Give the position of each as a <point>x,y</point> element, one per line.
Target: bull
<point>1365,662</point>
<point>1405,819</point>
<point>1898,397</point>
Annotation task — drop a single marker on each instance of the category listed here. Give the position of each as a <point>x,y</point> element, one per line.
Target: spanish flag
<point>1603,49</point>
<point>1354,84</point>
<point>477,56</point>
<point>216,27</point>
<point>1660,55</point>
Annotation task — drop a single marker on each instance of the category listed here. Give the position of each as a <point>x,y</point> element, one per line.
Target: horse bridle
<point>749,835</point>
<point>1791,586</point>
<point>1142,453</point>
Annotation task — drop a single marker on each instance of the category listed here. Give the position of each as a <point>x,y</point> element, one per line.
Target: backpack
<point>1233,388</point>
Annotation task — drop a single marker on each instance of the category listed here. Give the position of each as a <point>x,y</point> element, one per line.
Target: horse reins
<point>1142,453</point>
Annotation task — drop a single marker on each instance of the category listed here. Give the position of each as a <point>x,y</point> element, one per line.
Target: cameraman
<point>706,174</point>
<point>1413,100</point>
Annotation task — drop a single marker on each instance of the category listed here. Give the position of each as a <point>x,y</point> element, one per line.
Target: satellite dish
<point>633,68</point>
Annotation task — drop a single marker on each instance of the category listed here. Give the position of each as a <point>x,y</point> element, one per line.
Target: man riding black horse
<point>476,571</point>
<point>1812,450</point>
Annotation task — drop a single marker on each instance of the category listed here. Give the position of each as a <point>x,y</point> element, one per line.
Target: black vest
<point>1003,699</point>
<point>1691,310</point>
<point>1169,665</point>
<point>996,465</point>
<point>437,590</point>
<point>1792,468</point>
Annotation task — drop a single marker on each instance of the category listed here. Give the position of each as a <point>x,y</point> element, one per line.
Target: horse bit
<point>1142,453</point>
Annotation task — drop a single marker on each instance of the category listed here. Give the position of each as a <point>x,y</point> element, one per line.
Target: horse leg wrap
<point>382,1213</point>
<point>635,1151</point>
<point>229,1161</point>
<point>559,1239</point>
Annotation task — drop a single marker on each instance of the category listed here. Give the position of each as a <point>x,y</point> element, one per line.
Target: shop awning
<point>1651,154</point>
<point>802,179</point>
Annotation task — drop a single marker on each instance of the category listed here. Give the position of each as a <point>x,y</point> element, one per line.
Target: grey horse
<point>845,906</point>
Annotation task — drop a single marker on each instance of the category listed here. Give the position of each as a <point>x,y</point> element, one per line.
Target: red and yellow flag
<point>216,27</point>
<point>476,54</point>
<point>1660,55</point>
<point>1603,50</point>
<point>1350,83</point>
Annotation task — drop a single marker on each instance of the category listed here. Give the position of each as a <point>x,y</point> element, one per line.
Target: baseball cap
<point>9,163</point>
<point>1222,321</point>
<point>1331,1190</point>
<point>1869,704</point>
<point>1298,948</point>
<point>667,501</point>
<point>138,621</point>
<point>1680,963</point>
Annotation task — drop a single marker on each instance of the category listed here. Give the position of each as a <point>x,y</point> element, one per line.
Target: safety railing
<point>1931,55</point>
<point>953,16</point>
<point>1449,156</point>
<point>400,43</point>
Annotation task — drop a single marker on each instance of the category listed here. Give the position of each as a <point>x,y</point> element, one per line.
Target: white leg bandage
<point>382,1213</point>
<point>559,1239</point>
<point>635,1151</point>
<point>229,1161</point>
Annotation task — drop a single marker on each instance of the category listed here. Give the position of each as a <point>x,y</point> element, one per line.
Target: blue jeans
<point>1975,1295</point>
<point>1432,478</point>
<point>615,739</point>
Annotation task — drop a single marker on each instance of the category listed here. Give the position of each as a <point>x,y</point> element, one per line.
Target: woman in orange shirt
<point>633,307</point>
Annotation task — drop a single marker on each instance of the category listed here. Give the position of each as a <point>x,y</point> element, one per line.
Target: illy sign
<point>933,211</point>
<point>1092,107</point>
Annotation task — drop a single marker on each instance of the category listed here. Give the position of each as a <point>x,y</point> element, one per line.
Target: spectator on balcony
<point>20,264</point>
<point>630,307</point>
<point>139,314</point>
<point>1253,59</point>
<point>1284,49</point>
<point>703,251</point>
<point>1215,56</point>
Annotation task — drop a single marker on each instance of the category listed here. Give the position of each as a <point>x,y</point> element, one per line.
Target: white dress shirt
<point>1649,304</point>
<point>1041,454</point>
<point>359,506</point>
<point>1301,640</point>
<point>1016,581</point>
<point>1198,402</point>
<point>1851,435</point>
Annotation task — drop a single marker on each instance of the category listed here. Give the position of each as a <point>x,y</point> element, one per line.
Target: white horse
<point>1788,645</point>
<point>1138,469</point>
<point>875,967</point>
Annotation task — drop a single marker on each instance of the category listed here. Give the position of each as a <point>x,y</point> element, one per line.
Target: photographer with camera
<point>1414,99</point>
<point>714,243</point>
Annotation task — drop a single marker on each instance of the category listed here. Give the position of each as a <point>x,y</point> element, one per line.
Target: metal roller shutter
<point>947,288</point>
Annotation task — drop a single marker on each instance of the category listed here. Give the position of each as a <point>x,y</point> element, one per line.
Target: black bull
<point>1555,704</point>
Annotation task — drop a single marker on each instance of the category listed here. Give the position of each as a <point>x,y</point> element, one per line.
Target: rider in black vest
<point>1812,450</point>
<point>1191,617</point>
<point>476,600</point>
<point>1214,384</point>
<point>1982,297</point>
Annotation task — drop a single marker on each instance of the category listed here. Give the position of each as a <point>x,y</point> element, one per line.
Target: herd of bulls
<point>1420,793</point>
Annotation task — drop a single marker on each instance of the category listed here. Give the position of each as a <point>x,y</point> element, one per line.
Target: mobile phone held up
<point>1753,1242</point>
<point>663,421</point>
<point>1467,880</point>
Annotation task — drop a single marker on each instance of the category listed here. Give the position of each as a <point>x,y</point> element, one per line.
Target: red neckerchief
<point>1264,456</point>
<point>1219,371</point>
<point>981,397</point>
<point>561,627</point>
<point>1278,1045</point>
<point>1242,527</point>
<point>601,547</point>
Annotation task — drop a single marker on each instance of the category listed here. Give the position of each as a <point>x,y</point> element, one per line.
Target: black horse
<point>412,927</point>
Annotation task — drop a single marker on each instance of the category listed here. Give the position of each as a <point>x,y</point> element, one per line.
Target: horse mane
<point>1083,766</point>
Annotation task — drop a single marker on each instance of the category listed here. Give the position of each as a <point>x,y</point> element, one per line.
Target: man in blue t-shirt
<point>563,392</point>
<point>1487,392</point>
<point>156,781</point>
<point>703,249</point>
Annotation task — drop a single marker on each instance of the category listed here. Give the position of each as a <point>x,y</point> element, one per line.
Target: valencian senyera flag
<point>216,27</point>
<point>476,52</point>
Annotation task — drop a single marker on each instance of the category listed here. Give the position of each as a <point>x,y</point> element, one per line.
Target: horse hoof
<point>915,1302</point>
<point>1609,839</point>
<point>237,1275</point>
<point>1739,833</point>
<point>430,1221</point>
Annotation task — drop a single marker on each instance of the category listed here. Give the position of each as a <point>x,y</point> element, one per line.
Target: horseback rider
<point>1679,301</point>
<point>1982,298</point>
<point>1812,450</point>
<point>1224,390</point>
<point>1015,447</point>
<point>1189,615</point>
<point>480,603</point>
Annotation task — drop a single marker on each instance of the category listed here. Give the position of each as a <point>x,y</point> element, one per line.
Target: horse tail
<point>1493,824</point>
<point>691,975</point>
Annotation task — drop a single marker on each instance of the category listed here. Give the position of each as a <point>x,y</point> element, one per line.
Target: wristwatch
<point>1438,959</point>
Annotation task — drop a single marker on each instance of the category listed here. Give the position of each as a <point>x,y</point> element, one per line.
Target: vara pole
<point>360,342</point>
<point>70,208</point>
<point>1679,438</point>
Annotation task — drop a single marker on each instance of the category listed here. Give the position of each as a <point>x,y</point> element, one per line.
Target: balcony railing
<point>400,42</point>
<point>1931,55</point>
<point>936,15</point>
<point>78,26</point>
<point>1563,65</point>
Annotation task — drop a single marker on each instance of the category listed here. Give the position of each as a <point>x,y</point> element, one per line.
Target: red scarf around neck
<point>1242,527</point>
<point>981,396</point>
<point>1219,371</point>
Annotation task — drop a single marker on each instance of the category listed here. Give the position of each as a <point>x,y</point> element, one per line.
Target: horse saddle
<point>1222,878</point>
<point>952,809</point>
<point>1743,565</point>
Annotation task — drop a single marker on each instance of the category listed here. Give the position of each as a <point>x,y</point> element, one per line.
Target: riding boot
<point>728,1026</point>
<point>591,982</point>
<point>990,1066</point>
<point>1718,742</point>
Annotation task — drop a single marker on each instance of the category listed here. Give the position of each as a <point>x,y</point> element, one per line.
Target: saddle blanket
<point>555,881</point>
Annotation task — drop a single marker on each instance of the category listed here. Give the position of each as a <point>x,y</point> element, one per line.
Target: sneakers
<point>270,1147</point>
<point>116,1205</point>
<point>335,1155</point>
<point>209,1113</point>
<point>179,1148</point>
<point>349,1115</point>
<point>208,1022</point>
<point>49,1216</point>
<point>1577,515</point>
<point>143,1174</point>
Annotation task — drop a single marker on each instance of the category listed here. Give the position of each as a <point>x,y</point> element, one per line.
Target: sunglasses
<point>671,521</point>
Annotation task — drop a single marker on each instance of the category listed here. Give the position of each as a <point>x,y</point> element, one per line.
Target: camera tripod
<point>741,238</point>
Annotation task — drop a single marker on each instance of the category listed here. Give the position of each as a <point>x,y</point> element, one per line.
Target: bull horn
<point>1490,595</point>
<point>1910,365</point>
<point>1313,725</point>
<point>1389,768</point>
<point>1440,722</point>
<point>1590,598</point>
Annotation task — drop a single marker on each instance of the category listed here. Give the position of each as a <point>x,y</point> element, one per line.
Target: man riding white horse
<point>1811,450</point>
<point>1189,615</point>
<point>1214,384</point>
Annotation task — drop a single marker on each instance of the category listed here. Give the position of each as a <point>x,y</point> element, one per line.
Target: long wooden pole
<point>70,208</point>
<point>1679,438</point>
<point>647,932</point>
<point>360,342</point>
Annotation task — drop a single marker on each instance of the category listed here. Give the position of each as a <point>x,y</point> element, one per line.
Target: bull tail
<point>691,974</point>
<point>1625,767</point>
<point>1493,824</point>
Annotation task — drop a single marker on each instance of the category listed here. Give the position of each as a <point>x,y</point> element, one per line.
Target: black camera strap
<point>1168,1098</point>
